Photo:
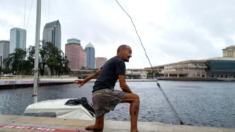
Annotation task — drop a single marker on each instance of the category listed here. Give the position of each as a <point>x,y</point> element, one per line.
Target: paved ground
<point>29,124</point>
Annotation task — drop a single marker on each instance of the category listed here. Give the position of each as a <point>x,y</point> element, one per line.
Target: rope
<point>24,12</point>
<point>136,33</point>
<point>48,15</point>
<point>29,14</point>
<point>168,101</point>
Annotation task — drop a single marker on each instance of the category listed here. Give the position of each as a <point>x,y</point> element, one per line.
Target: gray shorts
<point>105,100</point>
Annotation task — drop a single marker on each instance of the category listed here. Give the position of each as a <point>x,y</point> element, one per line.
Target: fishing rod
<point>168,101</point>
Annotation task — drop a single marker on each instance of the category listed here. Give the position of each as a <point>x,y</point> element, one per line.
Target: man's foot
<point>92,127</point>
<point>134,131</point>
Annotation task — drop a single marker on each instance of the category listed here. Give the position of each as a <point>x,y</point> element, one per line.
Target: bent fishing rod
<point>159,86</point>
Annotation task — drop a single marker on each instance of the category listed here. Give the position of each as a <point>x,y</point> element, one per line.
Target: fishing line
<point>168,101</point>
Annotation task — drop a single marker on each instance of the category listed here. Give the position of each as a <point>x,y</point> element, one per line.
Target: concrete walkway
<point>20,123</point>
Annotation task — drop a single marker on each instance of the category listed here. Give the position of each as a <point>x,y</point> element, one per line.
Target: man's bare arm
<point>93,75</point>
<point>123,85</point>
<point>82,82</point>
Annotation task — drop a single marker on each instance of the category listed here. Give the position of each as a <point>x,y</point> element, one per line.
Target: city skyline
<point>171,31</point>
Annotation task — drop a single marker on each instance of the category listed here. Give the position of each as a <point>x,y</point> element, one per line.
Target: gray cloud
<point>170,30</point>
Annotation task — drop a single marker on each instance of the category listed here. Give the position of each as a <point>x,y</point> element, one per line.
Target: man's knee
<point>137,98</point>
<point>130,97</point>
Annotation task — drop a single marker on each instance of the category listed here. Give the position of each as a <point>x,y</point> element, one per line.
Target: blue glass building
<point>90,51</point>
<point>222,66</point>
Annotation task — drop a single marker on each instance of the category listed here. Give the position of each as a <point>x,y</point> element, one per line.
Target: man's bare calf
<point>134,101</point>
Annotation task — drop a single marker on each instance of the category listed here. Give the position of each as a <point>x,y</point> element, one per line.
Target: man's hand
<point>81,82</point>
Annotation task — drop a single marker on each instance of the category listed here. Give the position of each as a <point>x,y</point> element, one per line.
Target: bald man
<point>104,97</point>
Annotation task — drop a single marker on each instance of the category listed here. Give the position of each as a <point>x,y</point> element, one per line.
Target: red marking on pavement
<point>39,129</point>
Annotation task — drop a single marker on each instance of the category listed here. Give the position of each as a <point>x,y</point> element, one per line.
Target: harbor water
<point>197,103</point>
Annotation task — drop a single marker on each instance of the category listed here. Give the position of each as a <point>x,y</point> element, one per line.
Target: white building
<point>52,33</point>
<point>17,39</point>
<point>4,50</point>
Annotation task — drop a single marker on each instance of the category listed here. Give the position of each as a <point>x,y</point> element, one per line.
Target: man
<point>104,97</point>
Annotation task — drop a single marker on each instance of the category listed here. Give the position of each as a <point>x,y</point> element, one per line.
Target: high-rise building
<point>229,51</point>
<point>52,33</point>
<point>75,54</point>
<point>90,51</point>
<point>99,61</point>
<point>17,39</point>
<point>4,51</point>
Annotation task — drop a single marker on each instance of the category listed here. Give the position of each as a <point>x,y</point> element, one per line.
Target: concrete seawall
<point>35,124</point>
<point>27,81</point>
<point>6,83</point>
<point>191,79</point>
<point>198,79</point>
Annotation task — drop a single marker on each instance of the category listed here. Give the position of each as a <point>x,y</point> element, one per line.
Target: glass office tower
<point>90,51</point>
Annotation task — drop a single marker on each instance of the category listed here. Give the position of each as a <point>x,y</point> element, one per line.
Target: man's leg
<point>99,125</point>
<point>134,101</point>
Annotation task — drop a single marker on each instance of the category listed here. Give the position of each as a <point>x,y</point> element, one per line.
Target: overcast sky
<point>171,30</point>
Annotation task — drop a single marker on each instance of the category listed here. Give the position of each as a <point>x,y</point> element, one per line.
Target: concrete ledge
<point>110,126</point>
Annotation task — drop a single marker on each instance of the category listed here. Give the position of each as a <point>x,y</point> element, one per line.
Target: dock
<point>10,123</point>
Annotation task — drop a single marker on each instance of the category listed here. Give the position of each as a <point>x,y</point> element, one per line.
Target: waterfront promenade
<point>18,81</point>
<point>46,80</point>
<point>10,123</point>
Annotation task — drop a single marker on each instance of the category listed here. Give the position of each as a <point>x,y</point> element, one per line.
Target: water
<point>197,103</point>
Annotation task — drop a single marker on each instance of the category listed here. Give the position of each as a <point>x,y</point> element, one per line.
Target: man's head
<point>124,52</point>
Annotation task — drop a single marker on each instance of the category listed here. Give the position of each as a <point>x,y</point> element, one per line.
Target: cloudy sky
<point>171,30</point>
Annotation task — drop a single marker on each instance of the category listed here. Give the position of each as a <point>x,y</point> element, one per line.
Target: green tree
<point>6,70</point>
<point>16,62</point>
<point>46,51</point>
<point>52,63</point>
<point>85,68</point>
